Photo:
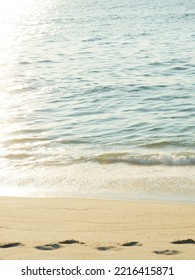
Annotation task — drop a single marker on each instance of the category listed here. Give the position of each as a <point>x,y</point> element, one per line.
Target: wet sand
<point>77,228</point>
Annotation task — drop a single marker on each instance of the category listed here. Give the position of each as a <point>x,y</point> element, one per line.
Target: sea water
<point>97,98</point>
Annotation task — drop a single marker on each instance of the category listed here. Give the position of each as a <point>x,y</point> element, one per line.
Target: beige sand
<point>103,226</point>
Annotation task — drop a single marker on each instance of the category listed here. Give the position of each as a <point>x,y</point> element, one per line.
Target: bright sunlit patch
<point>11,5</point>
<point>12,12</point>
<point>12,8</point>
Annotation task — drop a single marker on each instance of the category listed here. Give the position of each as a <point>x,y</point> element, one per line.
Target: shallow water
<point>97,98</point>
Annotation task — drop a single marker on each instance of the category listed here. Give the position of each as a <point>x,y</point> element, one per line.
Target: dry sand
<point>36,228</point>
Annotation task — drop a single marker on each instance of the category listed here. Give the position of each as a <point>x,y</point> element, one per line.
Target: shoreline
<point>110,197</point>
<point>95,228</point>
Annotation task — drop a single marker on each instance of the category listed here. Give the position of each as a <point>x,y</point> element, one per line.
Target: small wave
<point>189,15</point>
<point>24,63</point>
<point>26,131</point>
<point>179,68</point>
<point>72,141</point>
<point>46,61</point>
<point>173,159</point>
<point>99,89</point>
<point>24,140</point>
<point>17,156</point>
<point>164,144</point>
<point>91,39</point>
<point>159,144</point>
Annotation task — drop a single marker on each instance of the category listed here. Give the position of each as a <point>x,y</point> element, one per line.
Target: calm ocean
<point>97,98</point>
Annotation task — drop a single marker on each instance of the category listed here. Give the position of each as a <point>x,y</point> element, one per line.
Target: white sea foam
<point>145,159</point>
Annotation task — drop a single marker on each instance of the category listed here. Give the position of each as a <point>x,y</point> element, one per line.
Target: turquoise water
<point>97,99</point>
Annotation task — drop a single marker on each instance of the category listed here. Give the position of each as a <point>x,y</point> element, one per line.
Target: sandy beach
<point>72,228</point>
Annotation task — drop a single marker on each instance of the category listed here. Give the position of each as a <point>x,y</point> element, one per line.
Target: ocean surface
<point>97,99</point>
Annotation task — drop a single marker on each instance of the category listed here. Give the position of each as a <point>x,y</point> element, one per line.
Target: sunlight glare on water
<point>12,9</point>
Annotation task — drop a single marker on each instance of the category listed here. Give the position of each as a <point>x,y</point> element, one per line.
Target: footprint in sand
<point>185,241</point>
<point>104,248</point>
<point>131,244</point>
<point>128,244</point>
<point>167,252</point>
<point>48,247</point>
<point>71,241</point>
<point>10,245</point>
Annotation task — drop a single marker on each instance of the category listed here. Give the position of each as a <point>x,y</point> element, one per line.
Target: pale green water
<point>97,98</point>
